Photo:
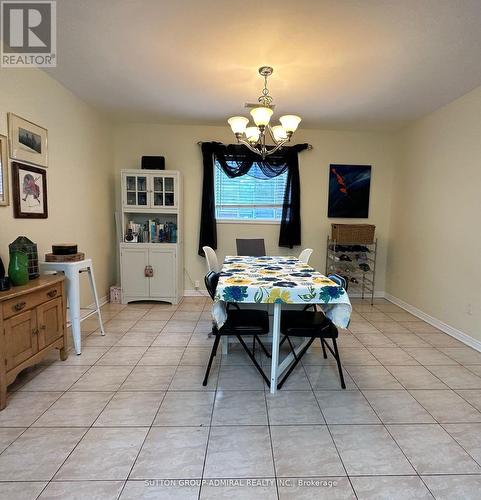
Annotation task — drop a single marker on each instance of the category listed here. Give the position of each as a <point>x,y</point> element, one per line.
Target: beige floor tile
<point>472,396</point>
<point>190,378</point>
<point>119,325</point>
<point>240,378</point>
<point>307,450</point>
<point>293,408</point>
<point>369,450</point>
<point>346,407</point>
<point>158,315</point>
<point>432,450</point>
<point>161,356</point>
<point>131,314</point>
<point>468,436</point>
<point>185,408</point>
<point>242,452</point>
<point>416,377</point>
<point>135,339</point>
<point>201,340</point>
<point>362,327</point>
<point>176,326</point>
<point>23,408</point>
<point>97,340</point>
<point>326,377</point>
<point>298,380</point>
<point>454,487</point>
<point>430,356</point>
<point>397,407</point>
<point>172,339</point>
<point>375,316</point>
<point>102,378</point>
<point>81,490</point>
<point>456,377</point>
<point>476,369</point>
<point>388,308</point>
<point>240,408</point>
<point>8,436</point>
<point>393,356</point>
<point>241,489</point>
<point>172,452</point>
<point>373,377</point>
<point>197,356</point>
<point>125,356</point>
<point>403,317</point>
<point>148,326</point>
<point>392,488</point>
<point>130,409</point>
<point>463,355</point>
<point>181,315</point>
<point>322,488</point>
<point>74,409</point>
<point>421,327</point>
<point>21,490</point>
<point>390,327</point>
<point>447,406</point>
<point>103,454</point>
<point>406,340</point>
<point>374,340</point>
<point>349,356</point>
<point>89,356</point>
<point>55,378</point>
<point>155,490</point>
<point>149,378</point>
<point>25,459</point>
<point>439,340</point>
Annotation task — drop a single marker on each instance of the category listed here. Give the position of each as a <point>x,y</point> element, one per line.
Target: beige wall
<point>178,143</point>
<point>79,175</point>
<point>434,255</point>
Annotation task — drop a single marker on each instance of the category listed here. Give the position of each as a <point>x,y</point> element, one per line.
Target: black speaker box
<point>153,162</point>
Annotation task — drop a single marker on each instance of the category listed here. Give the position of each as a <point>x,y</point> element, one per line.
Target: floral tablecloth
<point>270,280</point>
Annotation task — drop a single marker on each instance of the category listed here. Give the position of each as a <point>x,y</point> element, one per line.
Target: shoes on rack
<point>361,257</point>
<point>345,258</point>
<point>364,267</point>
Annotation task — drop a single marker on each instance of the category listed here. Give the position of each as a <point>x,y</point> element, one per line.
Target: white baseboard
<point>440,325</point>
<point>195,293</point>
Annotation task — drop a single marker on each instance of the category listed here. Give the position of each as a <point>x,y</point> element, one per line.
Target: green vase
<point>18,268</point>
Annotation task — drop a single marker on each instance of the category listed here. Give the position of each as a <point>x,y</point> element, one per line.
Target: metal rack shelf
<point>359,279</point>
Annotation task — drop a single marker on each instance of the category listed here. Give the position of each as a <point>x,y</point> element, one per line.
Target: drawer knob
<point>42,327</point>
<point>19,306</point>
<point>52,293</point>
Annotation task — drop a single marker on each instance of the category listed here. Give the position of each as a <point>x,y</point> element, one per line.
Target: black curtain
<point>236,160</point>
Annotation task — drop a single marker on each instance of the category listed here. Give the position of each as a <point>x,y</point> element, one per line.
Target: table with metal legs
<point>72,271</point>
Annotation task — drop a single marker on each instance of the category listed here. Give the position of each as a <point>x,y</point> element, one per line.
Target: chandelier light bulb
<point>252,134</point>
<point>238,124</point>
<point>290,123</point>
<point>279,133</point>
<point>261,116</point>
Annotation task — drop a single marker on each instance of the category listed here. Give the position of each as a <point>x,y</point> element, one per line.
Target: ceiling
<point>373,64</point>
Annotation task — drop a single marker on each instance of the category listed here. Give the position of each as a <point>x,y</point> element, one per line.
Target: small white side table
<point>72,272</point>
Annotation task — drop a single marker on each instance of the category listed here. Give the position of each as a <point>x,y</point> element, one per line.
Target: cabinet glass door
<point>136,190</point>
<point>163,191</point>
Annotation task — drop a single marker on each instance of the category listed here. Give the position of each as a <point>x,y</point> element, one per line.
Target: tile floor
<point>130,419</point>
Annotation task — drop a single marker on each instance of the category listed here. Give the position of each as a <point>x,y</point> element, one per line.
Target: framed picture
<point>3,171</point>
<point>349,187</point>
<point>28,141</point>
<point>29,191</point>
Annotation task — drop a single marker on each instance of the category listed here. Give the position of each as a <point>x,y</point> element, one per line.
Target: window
<point>246,198</point>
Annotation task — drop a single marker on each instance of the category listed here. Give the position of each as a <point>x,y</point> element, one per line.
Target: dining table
<point>280,281</point>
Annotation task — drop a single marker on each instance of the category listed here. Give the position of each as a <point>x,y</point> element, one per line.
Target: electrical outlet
<point>196,284</point>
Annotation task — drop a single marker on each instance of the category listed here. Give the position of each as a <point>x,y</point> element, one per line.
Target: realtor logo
<point>29,35</point>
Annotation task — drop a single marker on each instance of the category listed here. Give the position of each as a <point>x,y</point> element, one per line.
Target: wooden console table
<point>32,323</point>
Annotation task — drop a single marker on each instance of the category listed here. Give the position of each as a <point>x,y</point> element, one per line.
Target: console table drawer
<point>25,302</point>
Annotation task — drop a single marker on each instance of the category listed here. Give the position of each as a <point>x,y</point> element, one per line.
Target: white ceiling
<point>337,63</point>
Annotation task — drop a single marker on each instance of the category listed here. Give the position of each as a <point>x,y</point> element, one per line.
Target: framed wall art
<point>28,141</point>
<point>3,171</point>
<point>349,189</point>
<point>29,191</point>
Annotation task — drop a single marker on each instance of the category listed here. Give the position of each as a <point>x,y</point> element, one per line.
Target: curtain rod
<point>309,146</point>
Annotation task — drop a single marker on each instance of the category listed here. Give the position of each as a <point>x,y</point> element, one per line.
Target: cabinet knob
<point>42,327</point>
<point>19,306</point>
<point>52,293</point>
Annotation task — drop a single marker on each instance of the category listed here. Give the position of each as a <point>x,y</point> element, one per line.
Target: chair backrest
<point>211,259</point>
<point>305,255</point>
<point>211,279</point>
<point>254,247</point>
<point>340,280</point>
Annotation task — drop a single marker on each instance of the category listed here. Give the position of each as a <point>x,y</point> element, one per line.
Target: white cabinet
<point>151,243</point>
<point>148,272</point>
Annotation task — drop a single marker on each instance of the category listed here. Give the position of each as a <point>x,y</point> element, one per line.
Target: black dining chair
<point>239,323</point>
<point>254,247</point>
<point>313,324</point>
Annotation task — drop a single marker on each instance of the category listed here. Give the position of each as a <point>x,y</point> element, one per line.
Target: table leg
<point>73,296</point>
<point>96,297</point>
<point>276,334</point>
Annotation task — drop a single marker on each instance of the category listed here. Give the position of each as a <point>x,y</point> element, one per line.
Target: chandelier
<point>254,137</point>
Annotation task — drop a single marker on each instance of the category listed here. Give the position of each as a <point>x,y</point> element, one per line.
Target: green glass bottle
<point>18,268</point>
